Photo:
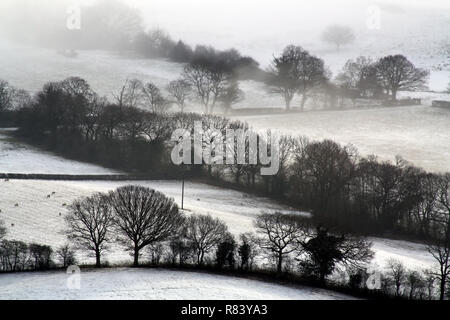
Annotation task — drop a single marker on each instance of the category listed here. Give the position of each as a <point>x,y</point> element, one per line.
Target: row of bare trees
<point>12,98</point>
<point>20,256</point>
<point>388,75</point>
<point>297,72</point>
<point>137,216</point>
<point>330,180</point>
<point>294,72</point>
<point>210,86</point>
<point>399,281</point>
<point>141,218</point>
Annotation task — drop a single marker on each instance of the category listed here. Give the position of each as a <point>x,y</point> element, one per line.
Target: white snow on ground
<point>151,284</point>
<point>237,209</point>
<point>20,158</point>
<point>105,72</point>
<point>419,134</point>
<point>38,219</point>
<point>413,255</point>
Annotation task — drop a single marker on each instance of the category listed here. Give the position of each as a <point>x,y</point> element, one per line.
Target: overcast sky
<point>257,27</point>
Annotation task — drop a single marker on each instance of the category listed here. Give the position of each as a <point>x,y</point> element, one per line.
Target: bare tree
<point>416,284</point>
<point>359,75</point>
<point>424,211</point>
<point>439,248</point>
<point>429,279</point>
<point>77,87</point>
<point>313,74</point>
<point>231,95</point>
<point>89,222</point>
<point>156,127</point>
<point>204,233</point>
<point>284,71</point>
<point>338,35</point>
<point>296,71</point>
<point>143,216</point>
<point>156,252</point>
<point>180,248</point>
<point>397,273</point>
<point>12,98</point>
<point>93,118</point>
<point>396,73</point>
<point>280,235</point>
<point>130,95</point>
<point>154,99</point>
<point>21,99</point>
<point>66,255</point>
<point>13,255</point>
<point>179,90</point>
<point>208,82</point>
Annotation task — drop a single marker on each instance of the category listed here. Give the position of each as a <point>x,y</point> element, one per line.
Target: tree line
<point>211,80</point>
<point>150,226</point>
<point>361,195</point>
<point>297,72</point>
<point>147,223</point>
<point>335,183</point>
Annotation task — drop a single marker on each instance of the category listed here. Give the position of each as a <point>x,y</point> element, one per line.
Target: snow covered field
<point>20,158</point>
<point>105,72</point>
<point>37,218</point>
<point>34,211</point>
<point>420,134</point>
<point>41,220</point>
<point>148,284</point>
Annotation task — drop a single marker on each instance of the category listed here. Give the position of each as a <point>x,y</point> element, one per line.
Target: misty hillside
<point>421,33</point>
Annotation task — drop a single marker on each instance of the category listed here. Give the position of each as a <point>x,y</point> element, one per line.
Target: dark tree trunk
<point>136,257</point>
<point>97,259</point>
<point>280,263</point>
<point>442,289</point>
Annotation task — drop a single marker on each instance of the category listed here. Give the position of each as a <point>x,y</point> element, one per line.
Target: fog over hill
<point>262,28</point>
